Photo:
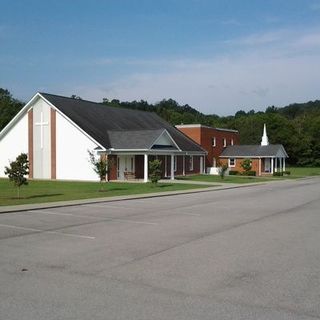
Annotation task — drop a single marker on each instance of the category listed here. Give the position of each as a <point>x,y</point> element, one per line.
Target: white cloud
<point>274,68</point>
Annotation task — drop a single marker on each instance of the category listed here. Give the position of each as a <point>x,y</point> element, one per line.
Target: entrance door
<point>267,165</point>
<point>125,164</point>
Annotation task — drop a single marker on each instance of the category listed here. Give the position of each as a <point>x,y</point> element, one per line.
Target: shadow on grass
<point>115,189</point>
<point>42,195</point>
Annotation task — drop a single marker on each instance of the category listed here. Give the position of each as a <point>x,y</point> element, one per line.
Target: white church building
<point>57,132</point>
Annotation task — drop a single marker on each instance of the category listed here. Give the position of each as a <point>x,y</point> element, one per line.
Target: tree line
<point>296,126</point>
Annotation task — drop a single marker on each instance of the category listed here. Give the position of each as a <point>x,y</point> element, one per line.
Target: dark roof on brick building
<point>271,150</point>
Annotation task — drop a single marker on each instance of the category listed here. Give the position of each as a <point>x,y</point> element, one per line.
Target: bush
<point>278,174</point>
<point>287,173</point>
<point>246,165</point>
<point>155,171</point>
<point>250,173</point>
<point>233,173</point>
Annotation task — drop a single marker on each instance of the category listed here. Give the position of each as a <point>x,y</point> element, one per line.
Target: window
<point>214,141</point>
<point>232,162</point>
<point>231,142</point>
<point>191,163</point>
<point>175,163</point>
<point>224,141</point>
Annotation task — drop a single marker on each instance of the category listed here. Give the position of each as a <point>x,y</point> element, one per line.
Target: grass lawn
<point>304,171</point>
<point>49,191</point>
<point>296,172</point>
<point>227,179</point>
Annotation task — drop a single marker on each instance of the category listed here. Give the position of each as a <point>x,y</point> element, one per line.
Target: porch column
<point>172,168</point>
<point>184,166</point>
<point>145,172</point>
<point>284,164</point>
<point>276,165</point>
<point>259,167</point>
<point>165,167</point>
<point>201,165</point>
<point>272,159</point>
<point>204,164</point>
<point>280,169</point>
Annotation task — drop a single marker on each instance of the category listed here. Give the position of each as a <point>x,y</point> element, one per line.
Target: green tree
<point>18,170</point>
<point>101,167</point>
<point>9,107</point>
<point>155,171</point>
<point>223,170</point>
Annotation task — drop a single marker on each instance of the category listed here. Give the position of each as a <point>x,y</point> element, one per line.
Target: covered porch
<point>272,164</point>
<point>135,166</point>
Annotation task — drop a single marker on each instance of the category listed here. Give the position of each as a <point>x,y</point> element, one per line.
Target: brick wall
<point>204,135</point>
<point>237,167</point>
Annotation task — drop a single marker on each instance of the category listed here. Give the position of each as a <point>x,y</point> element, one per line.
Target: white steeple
<point>264,140</point>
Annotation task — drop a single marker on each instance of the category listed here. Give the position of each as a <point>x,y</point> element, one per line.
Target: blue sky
<point>218,56</point>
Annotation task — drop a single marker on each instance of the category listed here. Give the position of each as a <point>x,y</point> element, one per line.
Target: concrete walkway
<point>214,187</point>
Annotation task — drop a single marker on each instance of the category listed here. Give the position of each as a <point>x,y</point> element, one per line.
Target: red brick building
<point>213,140</point>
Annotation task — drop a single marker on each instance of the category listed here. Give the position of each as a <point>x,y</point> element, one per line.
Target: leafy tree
<point>9,107</point>
<point>246,164</point>
<point>155,171</point>
<point>223,170</point>
<point>101,167</point>
<point>18,170</point>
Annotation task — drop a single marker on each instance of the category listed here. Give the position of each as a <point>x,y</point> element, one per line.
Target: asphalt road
<point>248,253</point>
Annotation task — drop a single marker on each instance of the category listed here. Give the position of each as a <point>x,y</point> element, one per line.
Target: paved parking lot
<point>248,253</point>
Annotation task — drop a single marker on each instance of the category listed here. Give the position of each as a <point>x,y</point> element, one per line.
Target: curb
<point>60,204</point>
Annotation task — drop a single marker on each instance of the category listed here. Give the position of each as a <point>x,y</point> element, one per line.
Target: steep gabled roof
<point>271,150</point>
<point>106,124</point>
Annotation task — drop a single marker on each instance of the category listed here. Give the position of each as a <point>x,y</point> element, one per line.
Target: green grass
<point>296,172</point>
<point>49,191</point>
<point>304,171</point>
<point>227,179</point>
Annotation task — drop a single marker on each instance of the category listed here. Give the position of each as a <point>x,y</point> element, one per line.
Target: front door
<point>124,164</point>
<point>267,165</point>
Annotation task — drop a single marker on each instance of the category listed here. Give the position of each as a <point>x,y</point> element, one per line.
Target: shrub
<point>251,173</point>
<point>278,174</point>
<point>287,172</point>
<point>155,171</point>
<point>246,164</point>
<point>233,173</point>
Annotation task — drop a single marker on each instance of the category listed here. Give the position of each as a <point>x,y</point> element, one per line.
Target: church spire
<point>264,140</point>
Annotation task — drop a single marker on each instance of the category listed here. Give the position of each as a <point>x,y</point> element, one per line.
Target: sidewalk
<point>215,187</point>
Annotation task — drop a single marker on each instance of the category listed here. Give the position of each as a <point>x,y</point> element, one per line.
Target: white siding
<point>72,152</point>
<point>14,143</point>
<point>41,154</point>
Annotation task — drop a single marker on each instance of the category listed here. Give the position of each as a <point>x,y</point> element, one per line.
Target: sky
<point>217,56</point>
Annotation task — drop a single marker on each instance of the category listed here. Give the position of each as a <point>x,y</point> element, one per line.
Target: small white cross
<point>41,124</point>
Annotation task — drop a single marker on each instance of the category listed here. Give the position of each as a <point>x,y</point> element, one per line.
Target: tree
<point>155,171</point>
<point>246,165</point>
<point>222,170</point>
<point>18,170</point>
<point>101,167</point>
<point>9,107</point>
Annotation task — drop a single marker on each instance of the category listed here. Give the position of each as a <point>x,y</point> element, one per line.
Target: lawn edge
<point>70,203</point>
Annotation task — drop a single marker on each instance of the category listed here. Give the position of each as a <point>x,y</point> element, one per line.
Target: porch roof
<point>254,151</point>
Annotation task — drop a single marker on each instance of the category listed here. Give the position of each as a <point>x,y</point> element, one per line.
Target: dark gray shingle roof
<point>104,124</point>
<point>253,151</point>
<point>134,139</point>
